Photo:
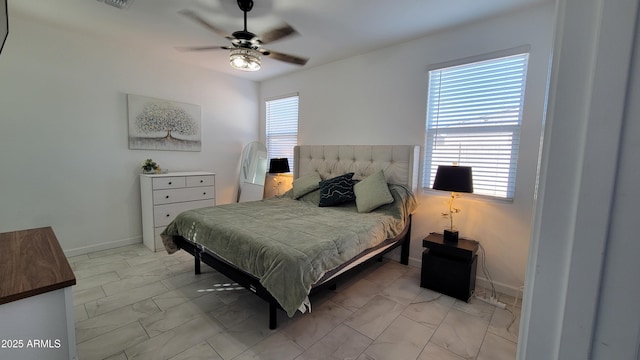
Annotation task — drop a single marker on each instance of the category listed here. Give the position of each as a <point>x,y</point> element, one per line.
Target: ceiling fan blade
<point>202,48</point>
<point>278,33</point>
<point>195,17</point>
<point>297,60</point>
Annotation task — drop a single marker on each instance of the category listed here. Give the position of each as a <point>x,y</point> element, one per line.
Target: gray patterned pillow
<point>336,190</point>
<point>372,192</point>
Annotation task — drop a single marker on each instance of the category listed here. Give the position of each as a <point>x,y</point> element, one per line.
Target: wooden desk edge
<point>64,276</point>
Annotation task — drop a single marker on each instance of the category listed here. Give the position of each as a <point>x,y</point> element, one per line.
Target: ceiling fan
<point>246,47</point>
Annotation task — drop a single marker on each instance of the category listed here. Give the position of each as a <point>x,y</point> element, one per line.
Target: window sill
<point>487,198</point>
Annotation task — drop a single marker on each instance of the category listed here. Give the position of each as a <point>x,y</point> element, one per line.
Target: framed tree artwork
<point>156,124</point>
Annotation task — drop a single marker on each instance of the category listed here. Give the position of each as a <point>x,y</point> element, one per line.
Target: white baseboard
<point>415,262</point>
<point>500,287</point>
<point>102,246</point>
<point>395,256</point>
<point>480,281</point>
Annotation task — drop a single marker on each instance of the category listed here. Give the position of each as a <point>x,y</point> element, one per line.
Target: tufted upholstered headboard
<point>400,163</point>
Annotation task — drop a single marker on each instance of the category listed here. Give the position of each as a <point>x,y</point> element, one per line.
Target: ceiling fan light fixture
<point>245,59</point>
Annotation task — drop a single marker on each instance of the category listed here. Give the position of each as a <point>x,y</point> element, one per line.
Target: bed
<point>285,248</point>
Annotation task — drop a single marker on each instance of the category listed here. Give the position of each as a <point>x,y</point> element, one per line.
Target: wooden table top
<point>31,263</point>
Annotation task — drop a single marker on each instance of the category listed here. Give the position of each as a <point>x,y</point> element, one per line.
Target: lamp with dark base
<point>278,166</point>
<point>450,237</point>
<point>456,179</point>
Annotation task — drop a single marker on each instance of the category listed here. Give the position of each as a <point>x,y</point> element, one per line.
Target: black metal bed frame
<point>252,283</point>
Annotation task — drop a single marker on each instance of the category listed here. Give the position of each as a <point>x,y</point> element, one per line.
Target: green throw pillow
<point>306,184</point>
<point>372,192</point>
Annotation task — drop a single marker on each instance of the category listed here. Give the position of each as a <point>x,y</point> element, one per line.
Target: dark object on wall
<point>4,23</point>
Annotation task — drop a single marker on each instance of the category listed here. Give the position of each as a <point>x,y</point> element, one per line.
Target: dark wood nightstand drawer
<point>449,268</point>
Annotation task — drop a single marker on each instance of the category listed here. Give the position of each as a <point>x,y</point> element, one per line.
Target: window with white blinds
<point>282,127</point>
<point>474,114</point>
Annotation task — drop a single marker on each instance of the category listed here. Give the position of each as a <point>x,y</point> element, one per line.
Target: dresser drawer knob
<point>169,182</point>
<point>168,215</point>
<point>166,197</point>
<point>204,193</point>
<point>201,181</point>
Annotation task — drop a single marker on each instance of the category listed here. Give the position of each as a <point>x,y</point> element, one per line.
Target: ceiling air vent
<point>120,4</point>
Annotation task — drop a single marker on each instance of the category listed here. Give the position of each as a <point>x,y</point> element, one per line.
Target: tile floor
<point>131,303</point>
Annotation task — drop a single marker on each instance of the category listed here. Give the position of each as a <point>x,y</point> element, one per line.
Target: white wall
<point>64,157</point>
<point>380,98</point>
<point>582,287</point>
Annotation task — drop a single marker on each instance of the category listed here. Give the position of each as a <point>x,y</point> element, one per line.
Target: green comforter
<point>289,244</point>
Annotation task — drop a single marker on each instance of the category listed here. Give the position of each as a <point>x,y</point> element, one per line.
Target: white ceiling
<point>329,30</point>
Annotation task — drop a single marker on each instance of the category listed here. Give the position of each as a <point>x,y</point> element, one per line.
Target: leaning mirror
<point>253,167</point>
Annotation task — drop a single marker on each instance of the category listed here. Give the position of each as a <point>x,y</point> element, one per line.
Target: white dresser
<point>164,196</point>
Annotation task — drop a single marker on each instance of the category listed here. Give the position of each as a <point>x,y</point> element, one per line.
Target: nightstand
<point>449,268</point>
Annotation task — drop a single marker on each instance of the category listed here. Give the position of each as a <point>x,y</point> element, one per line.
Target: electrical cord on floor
<point>427,301</point>
<point>514,305</point>
<point>513,319</point>
<point>486,271</point>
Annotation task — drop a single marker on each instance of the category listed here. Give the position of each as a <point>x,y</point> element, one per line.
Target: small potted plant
<point>149,166</point>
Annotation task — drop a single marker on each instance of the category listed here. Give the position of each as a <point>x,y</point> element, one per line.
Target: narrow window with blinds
<point>282,127</point>
<point>474,114</point>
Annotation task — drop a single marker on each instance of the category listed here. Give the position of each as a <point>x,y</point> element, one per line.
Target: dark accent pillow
<point>336,190</point>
